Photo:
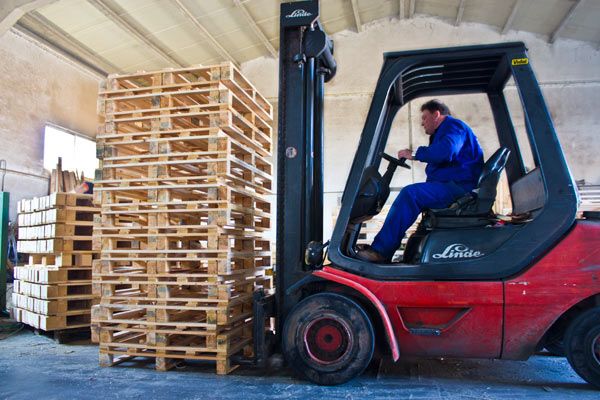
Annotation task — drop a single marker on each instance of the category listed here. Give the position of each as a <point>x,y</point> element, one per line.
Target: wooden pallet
<point>51,274</point>
<point>590,198</point>
<point>77,290</point>
<point>58,230</point>
<point>68,335</point>
<point>215,96</point>
<point>246,171</point>
<point>72,320</point>
<point>61,260</point>
<point>65,306</point>
<point>185,79</point>
<point>117,345</point>
<point>69,244</point>
<point>54,200</point>
<point>58,215</point>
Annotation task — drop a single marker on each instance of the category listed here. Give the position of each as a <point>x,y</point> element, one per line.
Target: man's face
<point>429,121</point>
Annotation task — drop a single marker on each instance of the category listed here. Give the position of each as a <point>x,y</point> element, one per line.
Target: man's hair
<point>436,105</point>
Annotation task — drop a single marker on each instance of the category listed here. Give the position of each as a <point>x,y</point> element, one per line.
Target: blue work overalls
<point>454,162</point>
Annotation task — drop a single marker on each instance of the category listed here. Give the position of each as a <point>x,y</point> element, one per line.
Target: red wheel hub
<point>328,339</point>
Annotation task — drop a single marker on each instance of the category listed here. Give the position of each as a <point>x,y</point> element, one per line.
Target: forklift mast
<point>305,63</point>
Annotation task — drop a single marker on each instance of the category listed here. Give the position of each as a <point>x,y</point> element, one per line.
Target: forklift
<point>469,285</point>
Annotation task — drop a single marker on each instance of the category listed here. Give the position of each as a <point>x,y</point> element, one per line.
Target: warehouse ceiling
<point>130,35</point>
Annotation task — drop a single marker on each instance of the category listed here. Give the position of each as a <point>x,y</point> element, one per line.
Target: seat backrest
<point>490,175</point>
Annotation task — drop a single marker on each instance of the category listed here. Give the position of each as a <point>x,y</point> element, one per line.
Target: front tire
<point>328,339</point>
<point>582,345</point>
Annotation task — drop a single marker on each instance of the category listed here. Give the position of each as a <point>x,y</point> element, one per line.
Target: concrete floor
<point>33,366</point>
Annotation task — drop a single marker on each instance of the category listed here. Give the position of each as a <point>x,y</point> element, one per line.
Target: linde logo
<point>457,250</point>
<point>299,13</point>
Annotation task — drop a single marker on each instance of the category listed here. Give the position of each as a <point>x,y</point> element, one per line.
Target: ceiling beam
<point>460,12</point>
<point>401,6</point>
<point>12,10</point>
<point>411,8</point>
<point>214,43</point>
<point>565,20</point>
<point>256,29</point>
<point>39,28</point>
<point>114,16</point>
<point>511,17</point>
<point>354,5</point>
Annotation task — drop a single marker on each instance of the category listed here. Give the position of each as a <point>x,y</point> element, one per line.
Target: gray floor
<point>33,366</point>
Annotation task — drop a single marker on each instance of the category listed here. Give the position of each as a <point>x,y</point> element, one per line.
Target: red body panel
<point>470,315</point>
<point>535,299</point>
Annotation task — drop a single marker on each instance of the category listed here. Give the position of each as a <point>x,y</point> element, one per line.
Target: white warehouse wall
<point>568,72</point>
<point>38,87</point>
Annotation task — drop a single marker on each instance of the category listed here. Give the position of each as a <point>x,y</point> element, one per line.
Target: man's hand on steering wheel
<point>406,153</point>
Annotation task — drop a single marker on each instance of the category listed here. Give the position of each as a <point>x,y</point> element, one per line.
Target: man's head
<point>432,114</point>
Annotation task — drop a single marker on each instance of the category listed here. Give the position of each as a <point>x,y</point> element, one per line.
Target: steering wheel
<point>393,160</point>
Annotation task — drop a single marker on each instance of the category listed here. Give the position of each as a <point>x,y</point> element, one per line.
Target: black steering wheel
<point>393,160</point>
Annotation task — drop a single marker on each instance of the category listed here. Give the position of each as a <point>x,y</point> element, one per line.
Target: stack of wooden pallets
<point>54,290</point>
<point>184,176</point>
<point>590,198</point>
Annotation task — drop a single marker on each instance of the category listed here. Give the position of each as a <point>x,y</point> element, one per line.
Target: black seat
<point>475,208</point>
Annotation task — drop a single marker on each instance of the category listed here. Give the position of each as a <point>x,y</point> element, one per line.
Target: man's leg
<point>411,201</point>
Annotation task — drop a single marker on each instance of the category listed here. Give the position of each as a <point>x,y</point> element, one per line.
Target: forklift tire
<point>556,348</point>
<point>582,344</point>
<point>328,339</point>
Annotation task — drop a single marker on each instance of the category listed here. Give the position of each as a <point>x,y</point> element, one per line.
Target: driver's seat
<point>474,208</point>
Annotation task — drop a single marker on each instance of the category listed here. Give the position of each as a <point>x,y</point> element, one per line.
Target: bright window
<point>78,152</point>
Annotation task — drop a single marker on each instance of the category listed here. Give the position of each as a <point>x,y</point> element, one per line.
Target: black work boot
<point>368,254</point>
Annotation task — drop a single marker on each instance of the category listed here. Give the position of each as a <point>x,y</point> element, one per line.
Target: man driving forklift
<point>454,163</point>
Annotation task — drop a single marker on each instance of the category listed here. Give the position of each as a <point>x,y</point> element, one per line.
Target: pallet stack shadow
<point>183,186</point>
<point>53,292</point>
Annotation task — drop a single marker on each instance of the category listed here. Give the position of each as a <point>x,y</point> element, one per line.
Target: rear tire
<point>582,345</point>
<point>328,339</point>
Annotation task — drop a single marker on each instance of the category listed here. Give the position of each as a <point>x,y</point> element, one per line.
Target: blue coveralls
<point>454,162</point>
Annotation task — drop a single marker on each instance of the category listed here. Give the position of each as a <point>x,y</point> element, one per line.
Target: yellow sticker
<point>520,61</point>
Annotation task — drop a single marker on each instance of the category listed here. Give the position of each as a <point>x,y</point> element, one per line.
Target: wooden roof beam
<point>565,20</point>
<point>114,16</point>
<point>256,29</point>
<point>12,10</point>
<point>354,6</point>
<point>41,29</point>
<point>460,12</point>
<point>511,17</point>
<point>214,43</point>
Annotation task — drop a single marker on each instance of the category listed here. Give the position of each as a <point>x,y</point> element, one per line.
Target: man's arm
<point>442,151</point>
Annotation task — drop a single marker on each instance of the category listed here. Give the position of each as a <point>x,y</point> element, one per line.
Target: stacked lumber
<point>63,180</point>
<point>590,198</point>
<point>54,290</point>
<point>183,183</point>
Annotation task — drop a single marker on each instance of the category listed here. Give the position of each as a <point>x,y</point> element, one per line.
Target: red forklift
<point>471,284</point>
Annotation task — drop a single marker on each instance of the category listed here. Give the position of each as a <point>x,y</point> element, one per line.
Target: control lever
<point>393,160</point>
